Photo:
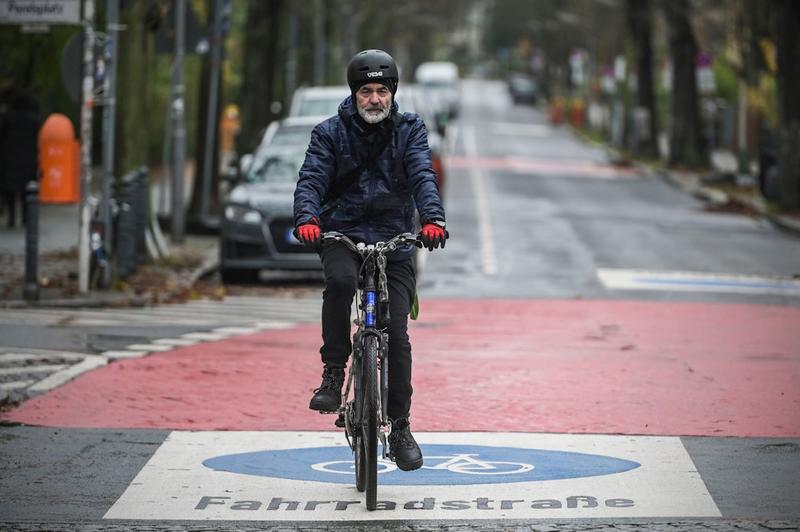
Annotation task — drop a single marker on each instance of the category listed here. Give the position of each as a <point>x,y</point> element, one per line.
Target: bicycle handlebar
<point>380,247</point>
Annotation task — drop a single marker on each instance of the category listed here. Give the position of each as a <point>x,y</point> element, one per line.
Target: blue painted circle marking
<point>444,465</point>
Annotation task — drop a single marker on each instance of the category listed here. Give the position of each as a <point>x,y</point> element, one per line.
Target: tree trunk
<point>685,148</point>
<point>195,207</point>
<point>787,44</point>
<point>260,70</point>
<point>640,25</point>
<point>134,91</point>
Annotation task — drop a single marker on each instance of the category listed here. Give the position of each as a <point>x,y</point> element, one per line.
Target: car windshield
<point>405,102</point>
<point>292,136</point>
<point>277,166</point>
<point>320,106</point>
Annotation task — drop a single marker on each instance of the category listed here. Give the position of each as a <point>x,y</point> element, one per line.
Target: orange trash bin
<point>58,161</point>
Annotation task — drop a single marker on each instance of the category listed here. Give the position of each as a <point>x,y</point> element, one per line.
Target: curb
<point>719,197</point>
<point>105,300</point>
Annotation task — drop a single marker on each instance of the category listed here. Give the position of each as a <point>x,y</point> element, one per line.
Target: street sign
<point>308,476</point>
<point>40,12</point>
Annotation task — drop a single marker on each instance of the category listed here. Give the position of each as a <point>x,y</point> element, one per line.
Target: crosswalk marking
<point>148,347</point>
<point>21,370</point>
<point>121,354</point>
<point>205,336</point>
<point>175,342</point>
<point>25,357</point>
<point>15,385</point>
<point>211,320</point>
<point>234,311</point>
<point>67,374</point>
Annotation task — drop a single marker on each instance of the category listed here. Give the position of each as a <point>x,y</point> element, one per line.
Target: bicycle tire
<point>361,462</point>
<point>369,420</point>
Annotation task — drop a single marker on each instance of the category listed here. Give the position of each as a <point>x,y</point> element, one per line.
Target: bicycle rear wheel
<point>370,420</point>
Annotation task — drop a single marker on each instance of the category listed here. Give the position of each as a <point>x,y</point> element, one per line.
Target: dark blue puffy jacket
<point>381,205</point>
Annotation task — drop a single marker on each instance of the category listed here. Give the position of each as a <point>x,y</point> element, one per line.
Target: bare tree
<point>787,44</point>
<point>684,132</point>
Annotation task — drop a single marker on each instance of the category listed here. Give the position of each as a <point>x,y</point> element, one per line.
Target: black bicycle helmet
<point>372,66</point>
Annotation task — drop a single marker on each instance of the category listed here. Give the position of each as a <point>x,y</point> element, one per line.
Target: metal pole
<point>31,289</point>
<point>86,145</point>
<point>212,121</point>
<point>179,131</point>
<point>109,124</point>
<point>291,55</point>
<point>319,42</point>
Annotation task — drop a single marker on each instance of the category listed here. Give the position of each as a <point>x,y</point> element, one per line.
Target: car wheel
<point>238,276</point>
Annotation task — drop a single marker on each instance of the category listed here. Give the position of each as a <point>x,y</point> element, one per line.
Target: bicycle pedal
<point>339,421</point>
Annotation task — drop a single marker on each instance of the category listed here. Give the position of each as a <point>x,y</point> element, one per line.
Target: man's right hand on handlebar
<point>309,232</point>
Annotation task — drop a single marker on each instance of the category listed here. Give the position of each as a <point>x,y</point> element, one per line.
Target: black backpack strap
<point>351,177</point>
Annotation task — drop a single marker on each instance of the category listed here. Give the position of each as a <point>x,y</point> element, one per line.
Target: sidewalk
<point>155,281</point>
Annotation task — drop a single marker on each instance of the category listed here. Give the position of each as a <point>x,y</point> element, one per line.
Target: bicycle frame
<point>372,311</point>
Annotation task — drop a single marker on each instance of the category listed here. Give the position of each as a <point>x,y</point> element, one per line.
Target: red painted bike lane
<point>605,367</point>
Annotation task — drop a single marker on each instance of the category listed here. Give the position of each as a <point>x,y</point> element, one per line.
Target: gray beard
<point>373,118</point>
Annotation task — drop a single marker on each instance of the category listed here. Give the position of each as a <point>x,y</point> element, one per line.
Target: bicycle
<point>364,416</point>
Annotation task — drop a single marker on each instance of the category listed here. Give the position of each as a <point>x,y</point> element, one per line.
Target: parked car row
<point>256,230</point>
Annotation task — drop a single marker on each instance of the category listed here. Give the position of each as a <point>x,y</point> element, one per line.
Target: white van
<point>439,79</point>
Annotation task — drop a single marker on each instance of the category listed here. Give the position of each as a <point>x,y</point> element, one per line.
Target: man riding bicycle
<point>366,170</point>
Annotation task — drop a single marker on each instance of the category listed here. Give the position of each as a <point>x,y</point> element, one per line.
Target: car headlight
<point>242,214</point>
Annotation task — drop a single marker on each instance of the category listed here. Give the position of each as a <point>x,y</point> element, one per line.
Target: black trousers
<point>341,267</point>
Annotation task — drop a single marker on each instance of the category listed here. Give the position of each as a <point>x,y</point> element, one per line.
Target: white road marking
<point>15,385</point>
<point>25,357</point>
<point>480,191</point>
<point>237,315</point>
<point>175,342</point>
<point>305,476</point>
<point>204,336</point>
<point>697,282</point>
<point>278,324</point>
<point>21,370</point>
<point>148,347</point>
<point>90,362</point>
<point>116,355</point>
<point>236,330</point>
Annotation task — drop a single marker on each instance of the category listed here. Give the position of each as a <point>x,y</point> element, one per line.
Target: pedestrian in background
<point>20,121</point>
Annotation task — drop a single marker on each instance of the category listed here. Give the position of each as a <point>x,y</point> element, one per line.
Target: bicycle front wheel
<point>370,420</point>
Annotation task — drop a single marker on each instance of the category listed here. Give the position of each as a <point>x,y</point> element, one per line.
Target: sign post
<point>86,145</point>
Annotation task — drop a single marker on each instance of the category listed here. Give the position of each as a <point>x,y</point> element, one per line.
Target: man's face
<point>374,101</point>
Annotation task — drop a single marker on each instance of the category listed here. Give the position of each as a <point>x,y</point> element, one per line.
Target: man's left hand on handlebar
<point>433,235</point>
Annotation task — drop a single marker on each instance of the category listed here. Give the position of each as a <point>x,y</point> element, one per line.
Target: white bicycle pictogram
<point>465,464</point>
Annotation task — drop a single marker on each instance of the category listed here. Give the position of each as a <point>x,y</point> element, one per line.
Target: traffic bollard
<point>31,289</point>
<point>126,241</point>
<point>140,213</point>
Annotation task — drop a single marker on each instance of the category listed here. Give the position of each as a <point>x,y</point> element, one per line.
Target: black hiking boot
<point>403,449</point>
<point>328,396</point>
